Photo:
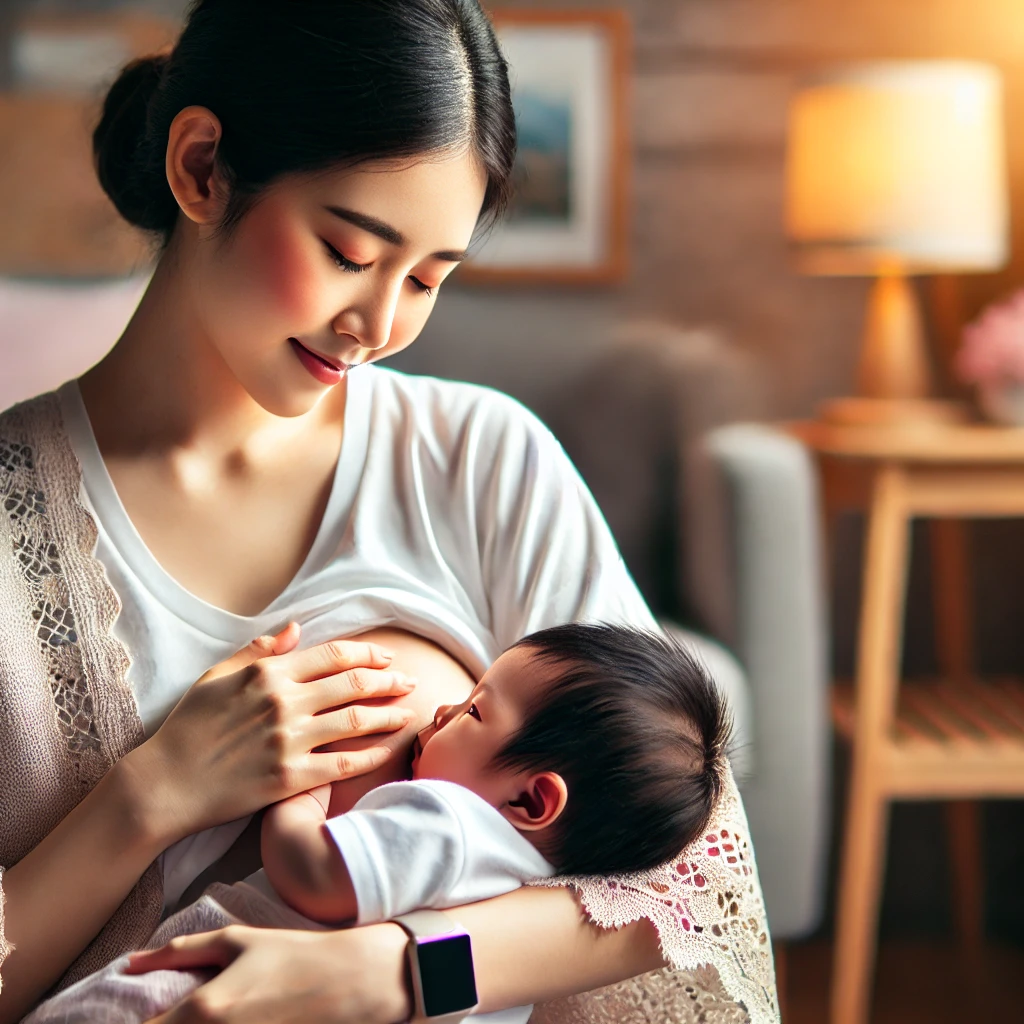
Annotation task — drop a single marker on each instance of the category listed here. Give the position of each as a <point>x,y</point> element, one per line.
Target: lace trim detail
<point>37,555</point>
<point>62,672</point>
<point>667,996</point>
<point>706,905</point>
<point>6,949</point>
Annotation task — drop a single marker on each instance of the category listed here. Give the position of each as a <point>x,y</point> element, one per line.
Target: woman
<point>314,171</point>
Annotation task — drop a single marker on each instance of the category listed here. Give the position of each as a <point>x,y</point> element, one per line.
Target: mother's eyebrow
<point>387,232</point>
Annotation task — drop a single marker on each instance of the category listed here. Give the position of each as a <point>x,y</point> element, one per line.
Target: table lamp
<point>893,169</point>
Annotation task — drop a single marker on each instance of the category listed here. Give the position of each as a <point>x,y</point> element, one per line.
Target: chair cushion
<point>732,681</point>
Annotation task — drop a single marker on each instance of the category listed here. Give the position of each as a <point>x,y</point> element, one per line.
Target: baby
<point>584,749</point>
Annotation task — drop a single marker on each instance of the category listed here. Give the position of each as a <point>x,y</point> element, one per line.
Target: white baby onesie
<point>429,844</point>
<point>433,844</point>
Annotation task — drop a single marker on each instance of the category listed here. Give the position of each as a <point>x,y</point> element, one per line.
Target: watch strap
<point>427,924</point>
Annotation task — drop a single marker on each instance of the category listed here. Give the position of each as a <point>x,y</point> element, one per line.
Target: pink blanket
<point>112,997</point>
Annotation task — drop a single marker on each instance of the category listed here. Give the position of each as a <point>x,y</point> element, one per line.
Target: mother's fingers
<point>358,720</point>
<point>331,658</point>
<point>335,765</point>
<point>262,647</point>
<point>207,949</point>
<point>356,686</point>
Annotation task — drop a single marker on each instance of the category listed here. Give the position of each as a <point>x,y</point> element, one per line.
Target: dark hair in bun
<point>304,85</point>
<point>116,144</point>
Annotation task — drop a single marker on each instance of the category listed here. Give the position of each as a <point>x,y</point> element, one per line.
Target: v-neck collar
<point>125,538</point>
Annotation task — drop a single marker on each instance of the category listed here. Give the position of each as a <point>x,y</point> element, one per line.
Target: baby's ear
<point>541,800</point>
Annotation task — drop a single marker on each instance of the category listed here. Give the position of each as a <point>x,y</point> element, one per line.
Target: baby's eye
<point>471,710</point>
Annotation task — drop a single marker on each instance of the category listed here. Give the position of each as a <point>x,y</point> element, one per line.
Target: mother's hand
<point>272,976</point>
<point>246,735</point>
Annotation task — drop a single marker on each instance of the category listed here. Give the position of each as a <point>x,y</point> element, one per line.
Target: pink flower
<point>993,345</point>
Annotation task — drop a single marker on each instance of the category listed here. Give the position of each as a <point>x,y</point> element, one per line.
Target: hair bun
<point>123,148</point>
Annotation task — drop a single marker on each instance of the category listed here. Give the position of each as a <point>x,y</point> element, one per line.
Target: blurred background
<point>658,373</point>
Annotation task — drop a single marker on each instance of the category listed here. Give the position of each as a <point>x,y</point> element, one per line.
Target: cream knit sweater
<point>66,713</point>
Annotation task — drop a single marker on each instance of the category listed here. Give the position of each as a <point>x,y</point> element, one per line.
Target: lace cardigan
<point>67,715</point>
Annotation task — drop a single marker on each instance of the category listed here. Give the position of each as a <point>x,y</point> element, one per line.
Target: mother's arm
<point>534,944</point>
<point>529,946</point>
<point>233,744</point>
<point>62,893</point>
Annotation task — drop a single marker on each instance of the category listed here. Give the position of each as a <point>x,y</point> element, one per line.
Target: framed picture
<point>568,219</point>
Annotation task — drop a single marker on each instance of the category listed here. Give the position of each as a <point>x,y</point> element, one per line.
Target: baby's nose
<point>442,715</point>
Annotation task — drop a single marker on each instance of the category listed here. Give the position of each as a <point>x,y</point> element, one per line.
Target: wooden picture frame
<point>568,224</point>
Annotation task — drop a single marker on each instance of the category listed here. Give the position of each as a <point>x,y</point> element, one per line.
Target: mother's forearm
<point>534,944</point>
<point>63,892</point>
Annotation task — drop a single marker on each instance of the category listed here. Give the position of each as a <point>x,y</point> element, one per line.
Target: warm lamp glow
<point>898,167</point>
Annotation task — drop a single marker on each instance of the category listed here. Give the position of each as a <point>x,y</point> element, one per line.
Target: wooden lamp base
<point>894,379</point>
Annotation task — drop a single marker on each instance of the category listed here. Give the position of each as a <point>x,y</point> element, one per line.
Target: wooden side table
<point>955,738</point>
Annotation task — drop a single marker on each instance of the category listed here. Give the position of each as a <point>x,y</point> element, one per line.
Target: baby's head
<point>604,745</point>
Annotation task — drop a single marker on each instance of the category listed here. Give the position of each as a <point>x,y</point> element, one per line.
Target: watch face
<point>446,974</point>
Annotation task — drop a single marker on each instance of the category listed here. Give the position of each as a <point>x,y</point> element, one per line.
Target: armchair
<point>717,519</point>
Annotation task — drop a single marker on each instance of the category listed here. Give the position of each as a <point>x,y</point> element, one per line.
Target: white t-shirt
<point>454,513</point>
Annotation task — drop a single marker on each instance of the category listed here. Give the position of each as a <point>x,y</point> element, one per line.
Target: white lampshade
<point>898,167</point>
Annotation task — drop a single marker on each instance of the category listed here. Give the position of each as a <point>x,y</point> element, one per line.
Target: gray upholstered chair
<point>717,519</point>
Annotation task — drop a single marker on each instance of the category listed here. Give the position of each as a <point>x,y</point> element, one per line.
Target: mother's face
<point>333,270</point>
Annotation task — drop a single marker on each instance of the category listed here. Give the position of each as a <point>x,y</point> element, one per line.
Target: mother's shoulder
<point>450,404</point>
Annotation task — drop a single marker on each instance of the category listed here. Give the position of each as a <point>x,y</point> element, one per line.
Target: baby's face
<point>464,738</point>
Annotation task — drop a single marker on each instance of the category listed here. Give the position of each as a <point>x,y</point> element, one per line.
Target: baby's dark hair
<point>638,729</point>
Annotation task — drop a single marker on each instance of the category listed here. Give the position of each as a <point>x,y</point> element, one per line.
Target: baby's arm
<point>301,861</point>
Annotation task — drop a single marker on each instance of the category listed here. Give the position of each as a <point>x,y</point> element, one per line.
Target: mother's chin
<point>441,679</point>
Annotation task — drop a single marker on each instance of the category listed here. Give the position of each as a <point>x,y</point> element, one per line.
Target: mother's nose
<point>371,318</point>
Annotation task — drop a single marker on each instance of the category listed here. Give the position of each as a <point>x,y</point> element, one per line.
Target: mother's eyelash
<point>343,262</point>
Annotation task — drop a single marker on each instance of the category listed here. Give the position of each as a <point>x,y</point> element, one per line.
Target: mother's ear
<point>191,165</point>
<point>541,800</point>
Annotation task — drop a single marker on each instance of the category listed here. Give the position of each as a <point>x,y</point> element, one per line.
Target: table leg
<point>878,664</point>
<point>963,831</point>
<point>953,640</point>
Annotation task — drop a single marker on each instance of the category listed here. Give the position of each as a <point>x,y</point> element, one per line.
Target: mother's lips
<point>333,363</point>
<point>319,367</point>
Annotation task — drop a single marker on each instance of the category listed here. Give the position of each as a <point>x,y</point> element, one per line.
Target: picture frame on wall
<point>568,220</point>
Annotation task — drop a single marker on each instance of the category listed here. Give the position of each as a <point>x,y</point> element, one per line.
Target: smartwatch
<point>440,959</point>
